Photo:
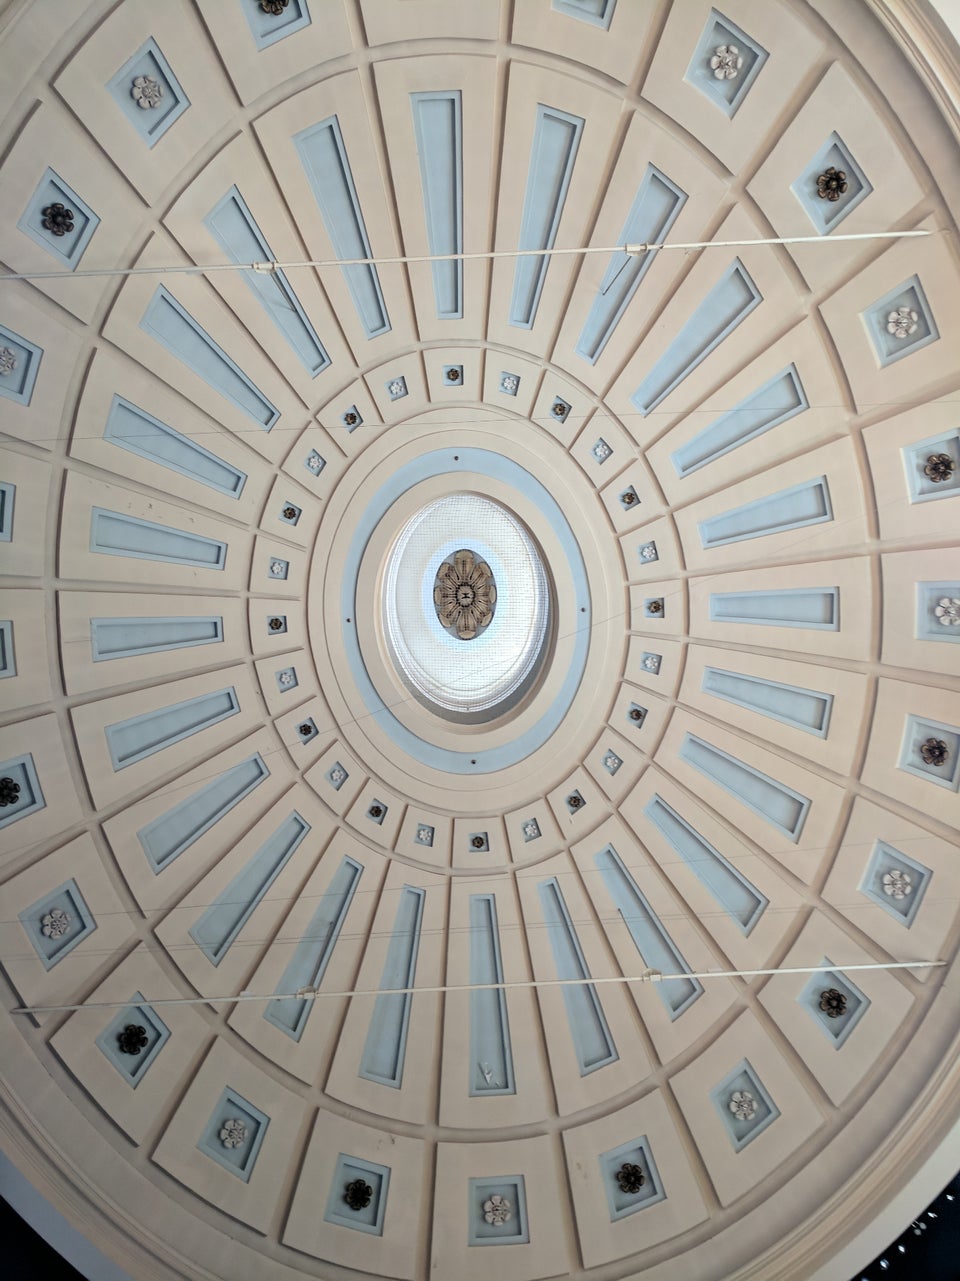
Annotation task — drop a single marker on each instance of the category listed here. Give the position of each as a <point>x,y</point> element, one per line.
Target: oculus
<point>466,608</point>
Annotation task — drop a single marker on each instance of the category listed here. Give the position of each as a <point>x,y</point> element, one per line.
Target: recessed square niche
<point>148,93</point>
<point>900,323</point>
<point>932,467</point>
<point>24,793</point>
<point>314,463</point>
<point>623,1202</point>
<point>931,750</point>
<point>267,28</point>
<point>337,776</point>
<point>8,659</point>
<point>290,513</point>
<point>77,230</point>
<point>744,1105</point>
<point>138,1015</point>
<point>505,1221</point>
<point>360,1184</point>
<point>738,69</point>
<point>56,923</point>
<point>823,212</point>
<point>307,729</point>
<point>896,882</point>
<point>424,834</point>
<point>287,679</point>
<point>20,362</point>
<point>834,1003</point>
<point>234,1134</point>
<point>938,611</point>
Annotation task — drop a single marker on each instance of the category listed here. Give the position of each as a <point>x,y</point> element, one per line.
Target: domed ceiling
<point>481,734</point>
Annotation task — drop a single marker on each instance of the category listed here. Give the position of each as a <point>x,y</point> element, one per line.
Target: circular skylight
<point>466,606</point>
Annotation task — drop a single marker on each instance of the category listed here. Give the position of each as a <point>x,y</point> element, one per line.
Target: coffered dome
<point>481,732</point>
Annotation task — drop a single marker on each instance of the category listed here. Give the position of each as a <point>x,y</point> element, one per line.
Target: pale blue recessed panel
<point>729,302</point>
<point>438,126</point>
<point>804,709</point>
<point>386,1044</point>
<point>167,836</point>
<point>793,508</point>
<point>174,328</point>
<point>811,607</point>
<point>139,1013</point>
<point>21,361</point>
<point>592,1039</point>
<point>491,1060</point>
<point>56,923</point>
<point>774,801</point>
<point>134,739</point>
<point>309,962</point>
<point>651,1192</point>
<point>115,534</point>
<point>756,1111</point>
<point>726,92</point>
<point>516,1229</point>
<point>150,122</point>
<point>654,210</point>
<point>924,487</point>
<point>599,13</point>
<point>938,609</point>
<point>732,891</point>
<point>324,158</point>
<point>8,658</point>
<point>913,329</point>
<point>8,495</point>
<point>367,1218</point>
<point>29,798</point>
<point>229,912</point>
<point>553,153</point>
<point>134,429</point>
<point>83,222</point>
<point>235,229</point>
<point>823,213</point>
<point>772,404</point>
<point>267,28</point>
<point>896,882</point>
<point>127,637</point>
<point>241,1157</point>
<point>837,1029</point>
<point>657,949</point>
<point>918,734</point>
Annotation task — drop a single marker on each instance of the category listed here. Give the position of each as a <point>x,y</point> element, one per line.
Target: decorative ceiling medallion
<point>465,595</point>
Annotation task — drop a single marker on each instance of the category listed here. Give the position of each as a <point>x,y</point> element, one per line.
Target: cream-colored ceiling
<point>783,738</point>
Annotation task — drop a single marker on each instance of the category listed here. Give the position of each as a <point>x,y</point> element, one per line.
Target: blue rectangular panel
<point>8,661</point>
<point>810,607</point>
<point>76,221</point>
<point>439,130</point>
<point>793,508</point>
<point>267,27</point>
<point>235,229</point>
<point>134,429</point>
<point>174,328</point>
<point>115,534</point>
<point>134,739</point>
<point>552,156</point>
<point>592,1040</point>
<point>310,960</point>
<point>232,908</point>
<point>491,1060</point>
<point>8,496</point>
<point>729,302</point>
<point>657,949</point>
<point>780,805</point>
<point>653,213</point>
<point>166,837</point>
<point>386,1044</point>
<point>599,13</point>
<point>732,891</point>
<point>772,404</point>
<point>804,709</point>
<point>324,158</point>
<point>126,637</point>
<point>29,796</point>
